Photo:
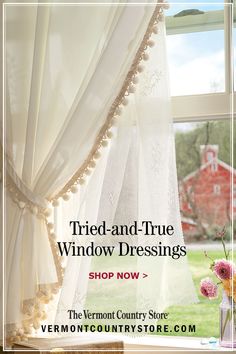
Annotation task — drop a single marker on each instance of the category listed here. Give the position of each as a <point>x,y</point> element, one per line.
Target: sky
<point>196,60</point>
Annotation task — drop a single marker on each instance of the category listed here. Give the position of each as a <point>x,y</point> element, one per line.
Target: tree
<point>188,145</point>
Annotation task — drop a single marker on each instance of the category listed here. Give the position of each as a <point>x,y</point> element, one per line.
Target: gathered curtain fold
<point>64,67</point>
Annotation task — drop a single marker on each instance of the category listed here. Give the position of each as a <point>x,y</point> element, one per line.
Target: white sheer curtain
<point>135,180</point>
<point>64,67</point>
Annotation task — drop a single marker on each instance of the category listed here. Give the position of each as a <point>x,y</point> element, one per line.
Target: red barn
<point>205,194</point>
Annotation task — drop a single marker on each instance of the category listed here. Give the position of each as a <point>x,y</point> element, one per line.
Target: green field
<point>205,314</point>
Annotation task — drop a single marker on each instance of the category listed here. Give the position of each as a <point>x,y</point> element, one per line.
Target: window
<point>189,189</point>
<point>216,189</point>
<point>200,62</point>
<point>210,156</point>
<point>200,57</point>
<point>214,167</point>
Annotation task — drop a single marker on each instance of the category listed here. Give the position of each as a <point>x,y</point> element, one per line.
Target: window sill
<point>147,343</point>
<point>164,343</point>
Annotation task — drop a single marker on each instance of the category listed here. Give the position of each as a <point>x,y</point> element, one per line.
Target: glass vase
<point>227,322</point>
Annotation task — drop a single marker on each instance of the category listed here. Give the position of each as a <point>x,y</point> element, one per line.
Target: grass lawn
<point>205,314</point>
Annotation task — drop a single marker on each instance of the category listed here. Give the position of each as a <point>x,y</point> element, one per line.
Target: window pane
<point>203,166</point>
<point>196,62</point>
<point>195,47</point>
<point>204,145</point>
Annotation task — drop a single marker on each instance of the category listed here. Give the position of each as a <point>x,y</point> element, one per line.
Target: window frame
<point>212,106</point>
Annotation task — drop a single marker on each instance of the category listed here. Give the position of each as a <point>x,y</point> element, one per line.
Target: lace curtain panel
<point>69,71</point>
<point>134,180</point>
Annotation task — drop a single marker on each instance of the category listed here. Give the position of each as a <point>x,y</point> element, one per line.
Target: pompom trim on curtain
<point>115,111</point>
<point>33,308</point>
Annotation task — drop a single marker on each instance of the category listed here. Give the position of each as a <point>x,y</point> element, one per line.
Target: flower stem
<point>222,234</point>
<point>227,319</point>
<point>223,243</point>
<point>206,255</point>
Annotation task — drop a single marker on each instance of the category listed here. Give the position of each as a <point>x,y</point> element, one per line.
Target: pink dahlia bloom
<point>208,288</point>
<point>223,269</point>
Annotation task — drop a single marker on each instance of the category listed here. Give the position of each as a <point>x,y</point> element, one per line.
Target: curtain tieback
<point>23,196</point>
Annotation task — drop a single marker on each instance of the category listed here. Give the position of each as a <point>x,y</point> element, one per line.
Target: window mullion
<point>228,25</point>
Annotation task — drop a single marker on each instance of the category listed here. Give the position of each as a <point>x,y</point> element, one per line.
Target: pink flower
<point>208,288</point>
<point>223,269</point>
